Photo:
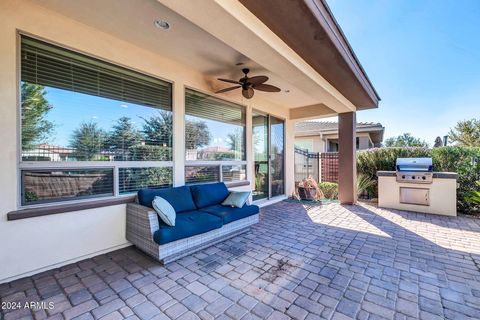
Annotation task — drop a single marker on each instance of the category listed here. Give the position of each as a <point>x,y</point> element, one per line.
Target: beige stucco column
<point>289,150</point>
<point>347,169</point>
<point>249,146</point>
<point>178,133</point>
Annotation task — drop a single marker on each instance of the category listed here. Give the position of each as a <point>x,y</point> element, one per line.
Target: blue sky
<point>423,57</point>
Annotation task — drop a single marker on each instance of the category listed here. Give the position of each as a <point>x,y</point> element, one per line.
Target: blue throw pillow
<point>180,197</point>
<point>164,210</point>
<point>236,199</point>
<point>209,194</point>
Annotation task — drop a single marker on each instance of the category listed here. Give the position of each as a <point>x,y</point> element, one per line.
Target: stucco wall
<point>35,244</point>
<point>319,143</point>
<point>316,142</point>
<point>443,196</point>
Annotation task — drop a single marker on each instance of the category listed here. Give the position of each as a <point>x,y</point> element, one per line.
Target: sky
<point>423,58</point>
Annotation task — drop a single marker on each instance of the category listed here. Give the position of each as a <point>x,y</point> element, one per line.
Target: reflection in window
<point>43,186</point>
<point>202,174</point>
<point>133,179</point>
<point>76,108</point>
<point>277,156</point>
<point>234,172</point>
<point>214,129</point>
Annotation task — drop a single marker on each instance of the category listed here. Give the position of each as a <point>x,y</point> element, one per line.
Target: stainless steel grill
<point>414,170</point>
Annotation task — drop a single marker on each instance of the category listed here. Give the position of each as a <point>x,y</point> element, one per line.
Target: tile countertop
<point>437,175</point>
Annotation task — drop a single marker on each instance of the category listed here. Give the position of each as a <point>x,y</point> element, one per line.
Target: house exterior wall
<point>319,141</point>
<point>363,142</point>
<point>314,143</point>
<point>36,244</point>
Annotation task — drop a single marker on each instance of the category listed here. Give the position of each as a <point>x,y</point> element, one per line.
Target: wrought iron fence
<point>306,164</point>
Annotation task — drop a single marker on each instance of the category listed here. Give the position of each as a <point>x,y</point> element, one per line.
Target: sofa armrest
<point>141,220</point>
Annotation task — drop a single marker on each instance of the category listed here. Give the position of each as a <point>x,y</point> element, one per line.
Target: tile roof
<point>319,126</point>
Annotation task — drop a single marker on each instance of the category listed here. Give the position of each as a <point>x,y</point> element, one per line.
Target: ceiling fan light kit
<point>249,85</point>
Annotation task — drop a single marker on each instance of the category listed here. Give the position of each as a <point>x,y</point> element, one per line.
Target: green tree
<point>123,136</point>
<point>35,128</point>
<point>466,133</point>
<point>197,134</point>
<point>88,141</point>
<point>234,141</point>
<point>405,140</point>
<point>159,130</point>
<point>438,142</point>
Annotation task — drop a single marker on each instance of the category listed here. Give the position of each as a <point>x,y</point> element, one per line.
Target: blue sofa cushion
<point>206,195</point>
<point>187,224</point>
<point>230,214</point>
<point>180,198</point>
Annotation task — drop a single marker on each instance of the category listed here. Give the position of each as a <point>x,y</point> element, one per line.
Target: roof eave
<point>347,48</point>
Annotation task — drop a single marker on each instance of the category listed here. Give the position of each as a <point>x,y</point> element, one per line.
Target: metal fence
<point>306,164</point>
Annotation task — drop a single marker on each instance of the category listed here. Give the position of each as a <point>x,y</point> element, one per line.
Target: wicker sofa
<point>201,220</point>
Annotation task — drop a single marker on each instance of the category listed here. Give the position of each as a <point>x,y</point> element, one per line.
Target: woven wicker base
<point>142,222</point>
<point>184,253</point>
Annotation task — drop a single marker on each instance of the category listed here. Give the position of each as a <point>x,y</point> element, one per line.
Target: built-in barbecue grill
<point>414,170</point>
<point>413,186</point>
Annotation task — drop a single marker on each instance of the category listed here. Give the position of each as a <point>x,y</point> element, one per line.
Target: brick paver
<point>299,262</point>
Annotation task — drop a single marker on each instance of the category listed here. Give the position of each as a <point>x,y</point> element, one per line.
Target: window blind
<point>48,65</point>
<point>54,185</point>
<point>201,105</point>
<point>134,179</point>
<point>201,174</point>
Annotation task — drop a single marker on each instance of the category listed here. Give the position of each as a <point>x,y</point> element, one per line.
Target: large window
<point>214,139</point>
<point>90,128</point>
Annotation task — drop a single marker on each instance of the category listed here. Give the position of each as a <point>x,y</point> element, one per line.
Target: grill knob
<point>413,177</point>
<point>424,178</point>
<point>403,177</point>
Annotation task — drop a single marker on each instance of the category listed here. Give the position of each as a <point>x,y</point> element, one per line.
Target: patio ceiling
<point>212,37</point>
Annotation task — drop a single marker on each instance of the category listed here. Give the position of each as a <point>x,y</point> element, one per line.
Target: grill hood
<point>414,165</point>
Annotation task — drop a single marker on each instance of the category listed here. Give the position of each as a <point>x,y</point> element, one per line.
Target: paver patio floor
<point>318,262</point>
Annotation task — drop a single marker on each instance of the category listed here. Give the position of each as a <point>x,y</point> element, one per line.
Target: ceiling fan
<point>249,85</point>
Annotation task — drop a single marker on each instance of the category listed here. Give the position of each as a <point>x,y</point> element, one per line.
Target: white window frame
<point>217,163</point>
<point>80,165</point>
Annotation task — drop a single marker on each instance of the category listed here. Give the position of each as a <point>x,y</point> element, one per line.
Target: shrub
<point>365,185</point>
<point>462,160</point>
<point>473,197</point>
<point>150,152</point>
<point>329,189</point>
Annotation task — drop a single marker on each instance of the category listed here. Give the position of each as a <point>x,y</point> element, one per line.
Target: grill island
<point>414,186</point>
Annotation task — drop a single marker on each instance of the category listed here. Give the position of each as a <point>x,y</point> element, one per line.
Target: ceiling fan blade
<point>229,81</point>
<point>258,79</point>
<point>248,93</point>
<point>266,87</point>
<point>228,89</point>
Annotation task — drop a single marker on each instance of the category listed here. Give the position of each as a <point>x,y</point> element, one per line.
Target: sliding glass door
<point>277,158</point>
<point>268,154</point>
<point>260,156</point>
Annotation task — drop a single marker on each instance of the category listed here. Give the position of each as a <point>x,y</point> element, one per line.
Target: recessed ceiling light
<point>161,24</point>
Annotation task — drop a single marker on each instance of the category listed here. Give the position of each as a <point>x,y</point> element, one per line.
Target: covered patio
<point>103,98</point>
<point>333,262</point>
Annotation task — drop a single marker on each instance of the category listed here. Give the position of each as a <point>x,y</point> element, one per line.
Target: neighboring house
<point>322,136</point>
<point>47,152</point>
<point>208,153</point>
